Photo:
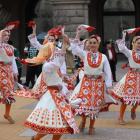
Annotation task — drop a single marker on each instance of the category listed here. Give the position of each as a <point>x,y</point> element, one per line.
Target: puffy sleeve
<point>76,50</point>
<point>14,66</point>
<point>33,40</point>
<point>107,73</point>
<point>123,48</point>
<point>56,64</point>
<point>1,49</point>
<point>63,69</point>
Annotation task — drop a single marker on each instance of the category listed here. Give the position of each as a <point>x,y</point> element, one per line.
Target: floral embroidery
<point>90,62</point>
<point>134,57</point>
<point>9,50</point>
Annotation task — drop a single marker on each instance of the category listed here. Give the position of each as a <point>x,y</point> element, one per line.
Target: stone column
<point>76,12</point>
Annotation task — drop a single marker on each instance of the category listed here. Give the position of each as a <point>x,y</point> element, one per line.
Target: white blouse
<point>128,53</point>
<point>50,73</point>
<point>106,67</point>
<point>37,45</point>
<point>5,58</point>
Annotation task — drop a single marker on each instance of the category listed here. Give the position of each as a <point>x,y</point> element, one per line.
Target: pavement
<point>106,126</point>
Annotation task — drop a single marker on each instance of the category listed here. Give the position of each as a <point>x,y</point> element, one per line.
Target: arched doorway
<point>117,16</point>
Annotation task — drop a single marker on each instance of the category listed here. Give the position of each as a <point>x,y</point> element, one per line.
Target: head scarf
<point>97,37</point>
<point>134,39</point>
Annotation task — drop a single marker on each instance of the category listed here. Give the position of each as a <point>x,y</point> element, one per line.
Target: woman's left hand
<point>67,100</point>
<point>16,78</point>
<point>108,90</point>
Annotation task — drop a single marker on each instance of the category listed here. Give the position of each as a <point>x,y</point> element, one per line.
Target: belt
<point>54,88</point>
<point>135,70</point>
<point>6,63</point>
<point>93,76</point>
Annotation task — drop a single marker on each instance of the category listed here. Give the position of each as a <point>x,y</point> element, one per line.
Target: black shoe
<point>115,80</point>
<point>25,84</point>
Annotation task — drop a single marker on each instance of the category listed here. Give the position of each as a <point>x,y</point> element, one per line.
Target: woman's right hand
<point>124,34</point>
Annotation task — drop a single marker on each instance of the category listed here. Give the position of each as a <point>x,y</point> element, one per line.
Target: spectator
<point>26,49</point>
<point>109,51</point>
<point>32,70</point>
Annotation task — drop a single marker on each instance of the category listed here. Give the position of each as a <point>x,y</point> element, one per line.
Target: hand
<point>76,63</point>
<point>124,34</point>
<point>67,100</point>
<point>65,39</point>
<point>108,90</point>
<point>16,78</point>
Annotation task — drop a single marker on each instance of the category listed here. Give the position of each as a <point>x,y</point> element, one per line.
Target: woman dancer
<point>92,86</point>
<point>8,72</point>
<point>52,114</point>
<point>127,90</point>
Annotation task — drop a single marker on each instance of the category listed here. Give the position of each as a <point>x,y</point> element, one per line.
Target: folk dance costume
<point>40,86</point>
<point>8,70</point>
<point>92,85</point>
<point>128,88</point>
<point>52,115</point>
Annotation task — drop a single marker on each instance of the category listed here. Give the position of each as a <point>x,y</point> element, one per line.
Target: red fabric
<point>31,23</point>
<point>13,23</point>
<point>136,30</point>
<point>125,65</point>
<point>58,31</point>
<point>90,28</point>
<point>23,61</point>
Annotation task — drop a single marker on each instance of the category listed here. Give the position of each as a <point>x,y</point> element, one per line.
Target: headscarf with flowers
<point>134,39</point>
<point>97,37</point>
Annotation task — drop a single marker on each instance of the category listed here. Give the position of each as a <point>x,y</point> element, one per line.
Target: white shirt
<point>106,69</point>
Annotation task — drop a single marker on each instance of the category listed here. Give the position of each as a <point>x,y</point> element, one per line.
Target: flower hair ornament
<point>97,37</point>
<point>134,39</point>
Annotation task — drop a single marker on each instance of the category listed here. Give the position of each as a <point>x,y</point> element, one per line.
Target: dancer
<point>8,72</point>
<point>51,36</point>
<point>127,90</point>
<point>52,114</point>
<point>92,86</point>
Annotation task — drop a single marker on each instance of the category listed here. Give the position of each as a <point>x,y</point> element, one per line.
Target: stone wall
<point>76,13</point>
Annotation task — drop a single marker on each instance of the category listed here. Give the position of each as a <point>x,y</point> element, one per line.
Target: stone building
<point>109,17</point>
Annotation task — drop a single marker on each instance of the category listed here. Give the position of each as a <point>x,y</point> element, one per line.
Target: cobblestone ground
<point>106,126</point>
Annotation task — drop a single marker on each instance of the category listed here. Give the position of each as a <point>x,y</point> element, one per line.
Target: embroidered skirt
<point>92,92</point>
<point>127,89</point>
<point>39,89</point>
<point>52,115</point>
<point>6,84</point>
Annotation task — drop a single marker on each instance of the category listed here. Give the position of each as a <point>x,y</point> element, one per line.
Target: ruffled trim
<point>9,100</point>
<point>91,116</point>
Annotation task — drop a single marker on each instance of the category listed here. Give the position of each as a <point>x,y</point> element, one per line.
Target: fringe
<point>132,103</point>
<point>91,116</point>
<point>9,100</point>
